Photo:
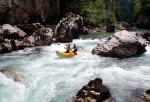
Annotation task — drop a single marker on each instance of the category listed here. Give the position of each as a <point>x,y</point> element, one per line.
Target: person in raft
<point>74,48</point>
<point>67,48</point>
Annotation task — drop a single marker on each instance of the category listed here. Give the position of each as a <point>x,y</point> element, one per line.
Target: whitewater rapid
<point>49,78</point>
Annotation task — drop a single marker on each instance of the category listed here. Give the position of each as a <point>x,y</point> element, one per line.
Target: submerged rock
<point>12,74</point>
<point>94,91</point>
<point>121,45</point>
<point>69,28</point>
<point>29,51</point>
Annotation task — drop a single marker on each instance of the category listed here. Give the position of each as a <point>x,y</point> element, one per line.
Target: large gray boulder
<point>10,38</point>
<point>94,91</point>
<point>69,28</point>
<point>41,37</point>
<point>121,45</point>
<point>28,11</point>
<point>11,32</point>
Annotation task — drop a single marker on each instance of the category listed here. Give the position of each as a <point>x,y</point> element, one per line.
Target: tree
<point>141,11</point>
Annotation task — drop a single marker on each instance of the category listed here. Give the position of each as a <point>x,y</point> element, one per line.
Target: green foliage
<point>117,26</point>
<point>118,11</point>
<point>96,12</point>
<point>142,11</point>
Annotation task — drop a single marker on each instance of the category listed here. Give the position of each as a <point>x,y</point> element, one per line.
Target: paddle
<point>75,53</point>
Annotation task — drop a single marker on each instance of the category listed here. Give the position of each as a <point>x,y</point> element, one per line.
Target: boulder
<point>1,39</point>
<point>4,48</point>
<point>17,45</point>
<point>94,91</point>
<point>110,28</point>
<point>128,27</point>
<point>85,31</point>
<point>29,41</point>
<point>146,96</point>
<point>147,36</point>
<point>69,28</point>
<point>10,32</point>
<point>30,28</point>
<point>43,36</point>
<point>121,45</point>
<point>11,45</point>
<point>12,74</point>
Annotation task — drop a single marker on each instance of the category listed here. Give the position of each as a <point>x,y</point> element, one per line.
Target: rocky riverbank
<point>29,35</point>
<point>14,38</point>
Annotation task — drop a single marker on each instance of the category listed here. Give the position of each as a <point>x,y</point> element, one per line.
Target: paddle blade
<point>75,53</point>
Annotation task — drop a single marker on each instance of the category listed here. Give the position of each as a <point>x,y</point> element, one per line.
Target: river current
<point>49,78</point>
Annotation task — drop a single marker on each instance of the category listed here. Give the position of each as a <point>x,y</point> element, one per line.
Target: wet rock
<point>147,36</point>
<point>128,27</point>
<point>20,45</point>
<point>12,74</point>
<point>10,32</point>
<point>121,45</point>
<point>11,45</point>
<point>69,28</point>
<point>30,28</point>
<point>110,28</point>
<point>85,31</point>
<point>1,39</point>
<point>29,51</point>
<point>29,41</point>
<point>43,36</point>
<point>148,92</point>
<point>17,45</point>
<point>146,96</point>
<point>4,48</point>
<point>92,30</point>
<point>94,91</point>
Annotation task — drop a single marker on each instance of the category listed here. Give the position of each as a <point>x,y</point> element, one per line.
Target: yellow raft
<point>70,54</point>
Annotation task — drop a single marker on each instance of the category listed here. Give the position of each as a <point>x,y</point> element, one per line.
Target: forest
<point>101,12</point>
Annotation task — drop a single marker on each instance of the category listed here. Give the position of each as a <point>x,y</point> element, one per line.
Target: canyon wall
<point>29,11</point>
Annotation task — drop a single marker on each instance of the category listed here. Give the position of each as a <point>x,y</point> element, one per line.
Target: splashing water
<point>49,78</point>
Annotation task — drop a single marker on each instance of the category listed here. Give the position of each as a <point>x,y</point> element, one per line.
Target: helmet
<point>68,45</point>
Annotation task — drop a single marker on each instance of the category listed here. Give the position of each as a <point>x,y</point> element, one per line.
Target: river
<point>49,78</point>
